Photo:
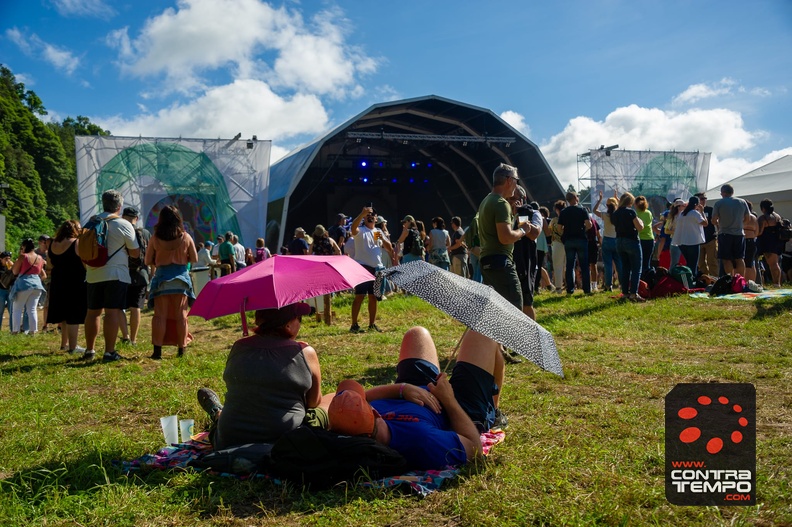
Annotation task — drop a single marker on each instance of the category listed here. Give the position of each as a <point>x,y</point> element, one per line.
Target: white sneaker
<point>76,350</point>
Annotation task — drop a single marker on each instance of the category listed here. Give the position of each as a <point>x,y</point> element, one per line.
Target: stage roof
<point>427,156</point>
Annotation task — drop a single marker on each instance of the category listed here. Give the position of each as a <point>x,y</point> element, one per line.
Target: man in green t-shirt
<point>226,253</point>
<point>497,236</point>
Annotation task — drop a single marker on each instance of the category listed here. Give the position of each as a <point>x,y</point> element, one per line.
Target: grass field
<point>585,449</point>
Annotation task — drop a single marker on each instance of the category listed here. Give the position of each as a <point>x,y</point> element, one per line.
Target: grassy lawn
<point>586,449</point>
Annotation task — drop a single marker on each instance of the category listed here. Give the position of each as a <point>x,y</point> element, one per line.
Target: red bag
<point>643,290</point>
<point>667,286</point>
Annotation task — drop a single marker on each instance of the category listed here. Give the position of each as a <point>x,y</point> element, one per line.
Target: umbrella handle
<point>244,318</point>
<point>456,349</point>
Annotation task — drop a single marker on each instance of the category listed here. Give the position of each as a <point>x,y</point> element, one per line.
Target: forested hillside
<point>37,163</point>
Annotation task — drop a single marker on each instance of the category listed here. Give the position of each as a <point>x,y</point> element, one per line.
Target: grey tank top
<point>266,379</point>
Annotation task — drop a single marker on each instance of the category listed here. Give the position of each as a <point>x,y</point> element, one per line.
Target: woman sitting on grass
<point>273,383</point>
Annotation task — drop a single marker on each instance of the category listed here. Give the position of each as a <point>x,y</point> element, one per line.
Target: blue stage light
<point>365,180</point>
<point>394,180</point>
<point>426,181</point>
<point>380,164</point>
<point>412,165</point>
<point>429,165</point>
<point>412,180</point>
<point>363,164</point>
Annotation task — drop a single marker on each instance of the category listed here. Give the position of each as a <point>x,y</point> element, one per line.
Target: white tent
<point>773,181</point>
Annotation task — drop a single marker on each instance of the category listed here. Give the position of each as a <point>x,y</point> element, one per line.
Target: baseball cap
<point>678,202</point>
<point>341,216</point>
<point>43,238</point>
<point>209,243</point>
<point>275,318</point>
<point>5,254</point>
<point>132,212</point>
<point>349,412</point>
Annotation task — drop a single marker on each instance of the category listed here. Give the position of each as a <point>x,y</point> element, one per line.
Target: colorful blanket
<point>770,293</point>
<point>179,455</point>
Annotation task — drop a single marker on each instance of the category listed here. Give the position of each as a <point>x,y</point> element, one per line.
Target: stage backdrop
<point>218,185</point>
<point>659,176</point>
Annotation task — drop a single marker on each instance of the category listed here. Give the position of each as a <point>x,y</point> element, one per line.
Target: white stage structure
<point>658,175</point>
<point>218,185</point>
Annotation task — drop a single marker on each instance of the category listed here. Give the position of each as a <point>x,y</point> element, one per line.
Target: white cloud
<point>246,106</point>
<point>517,121</point>
<point>34,46</point>
<point>719,131</point>
<point>84,8</point>
<point>725,87</point>
<point>253,39</point>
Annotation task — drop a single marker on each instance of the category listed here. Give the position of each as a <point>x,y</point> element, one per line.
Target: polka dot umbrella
<point>479,307</point>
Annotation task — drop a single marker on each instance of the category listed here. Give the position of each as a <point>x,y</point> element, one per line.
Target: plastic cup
<point>170,429</point>
<point>186,426</point>
<point>523,219</point>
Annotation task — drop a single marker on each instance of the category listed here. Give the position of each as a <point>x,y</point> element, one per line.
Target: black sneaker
<point>355,329</point>
<point>210,402</point>
<point>111,356</point>
<point>501,421</point>
<point>373,327</point>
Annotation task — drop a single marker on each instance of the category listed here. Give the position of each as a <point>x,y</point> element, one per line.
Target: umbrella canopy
<point>480,308</point>
<point>277,282</point>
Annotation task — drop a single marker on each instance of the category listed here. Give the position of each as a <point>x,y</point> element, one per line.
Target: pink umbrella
<point>277,282</point>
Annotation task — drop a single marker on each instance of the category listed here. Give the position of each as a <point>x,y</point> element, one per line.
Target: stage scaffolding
<point>658,175</point>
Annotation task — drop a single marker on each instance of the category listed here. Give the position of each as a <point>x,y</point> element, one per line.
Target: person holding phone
<point>432,419</point>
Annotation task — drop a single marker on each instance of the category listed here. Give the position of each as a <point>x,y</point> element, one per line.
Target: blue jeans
<point>5,304</point>
<point>577,248</point>
<point>609,257</point>
<point>474,262</point>
<point>676,252</point>
<point>647,248</point>
<point>630,252</point>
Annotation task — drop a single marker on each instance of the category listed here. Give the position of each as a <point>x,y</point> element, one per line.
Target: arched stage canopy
<point>427,156</point>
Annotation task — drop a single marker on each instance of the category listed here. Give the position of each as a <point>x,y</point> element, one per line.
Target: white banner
<point>218,185</point>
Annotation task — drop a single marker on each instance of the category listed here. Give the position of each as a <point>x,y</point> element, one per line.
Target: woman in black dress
<point>68,292</point>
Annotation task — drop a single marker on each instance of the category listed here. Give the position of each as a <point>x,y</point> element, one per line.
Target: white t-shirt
<point>688,229</point>
<point>120,233</point>
<point>239,253</point>
<point>204,258</point>
<point>367,249</point>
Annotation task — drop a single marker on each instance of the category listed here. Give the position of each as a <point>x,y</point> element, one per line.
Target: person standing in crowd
<point>729,214</point>
<point>541,248</point>
<point>458,249</point>
<point>670,227</point>
<point>239,253</point>
<point>498,237</point>
<point>170,251</point>
<point>338,232</point>
<point>424,238</point>
<point>628,225</point>
<point>473,243</point>
<point>205,254</point>
<point>226,254</point>
<point>708,262</point>
<point>410,241</point>
<point>556,233</point>
<point>689,232</point>
<point>610,256</point>
<point>646,236</point>
<point>216,248</point>
<point>593,237</point>
<point>68,292</point>
<point>751,228</point>
<point>369,243</point>
<point>139,276</point>
<point>5,303</point>
<point>262,253</point>
<point>525,253</point>
<point>27,288</point>
<point>107,285</point>
<point>575,223</point>
<point>298,245</point>
<point>323,244</point>
<point>439,242</point>
<point>43,251</point>
<point>770,243</point>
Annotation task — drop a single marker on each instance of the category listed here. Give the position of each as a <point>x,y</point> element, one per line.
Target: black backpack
<point>314,456</point>
<point>784,230</point>
<point>413,243</point>
<point>722,286</point>
<point>138,271</point>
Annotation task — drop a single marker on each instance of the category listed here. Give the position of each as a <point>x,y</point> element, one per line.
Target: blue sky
<point>708,75</point>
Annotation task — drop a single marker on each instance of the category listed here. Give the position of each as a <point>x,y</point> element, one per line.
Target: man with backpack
<point>139,276</point>
<point>108,279</point>
<point>429,418</point>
